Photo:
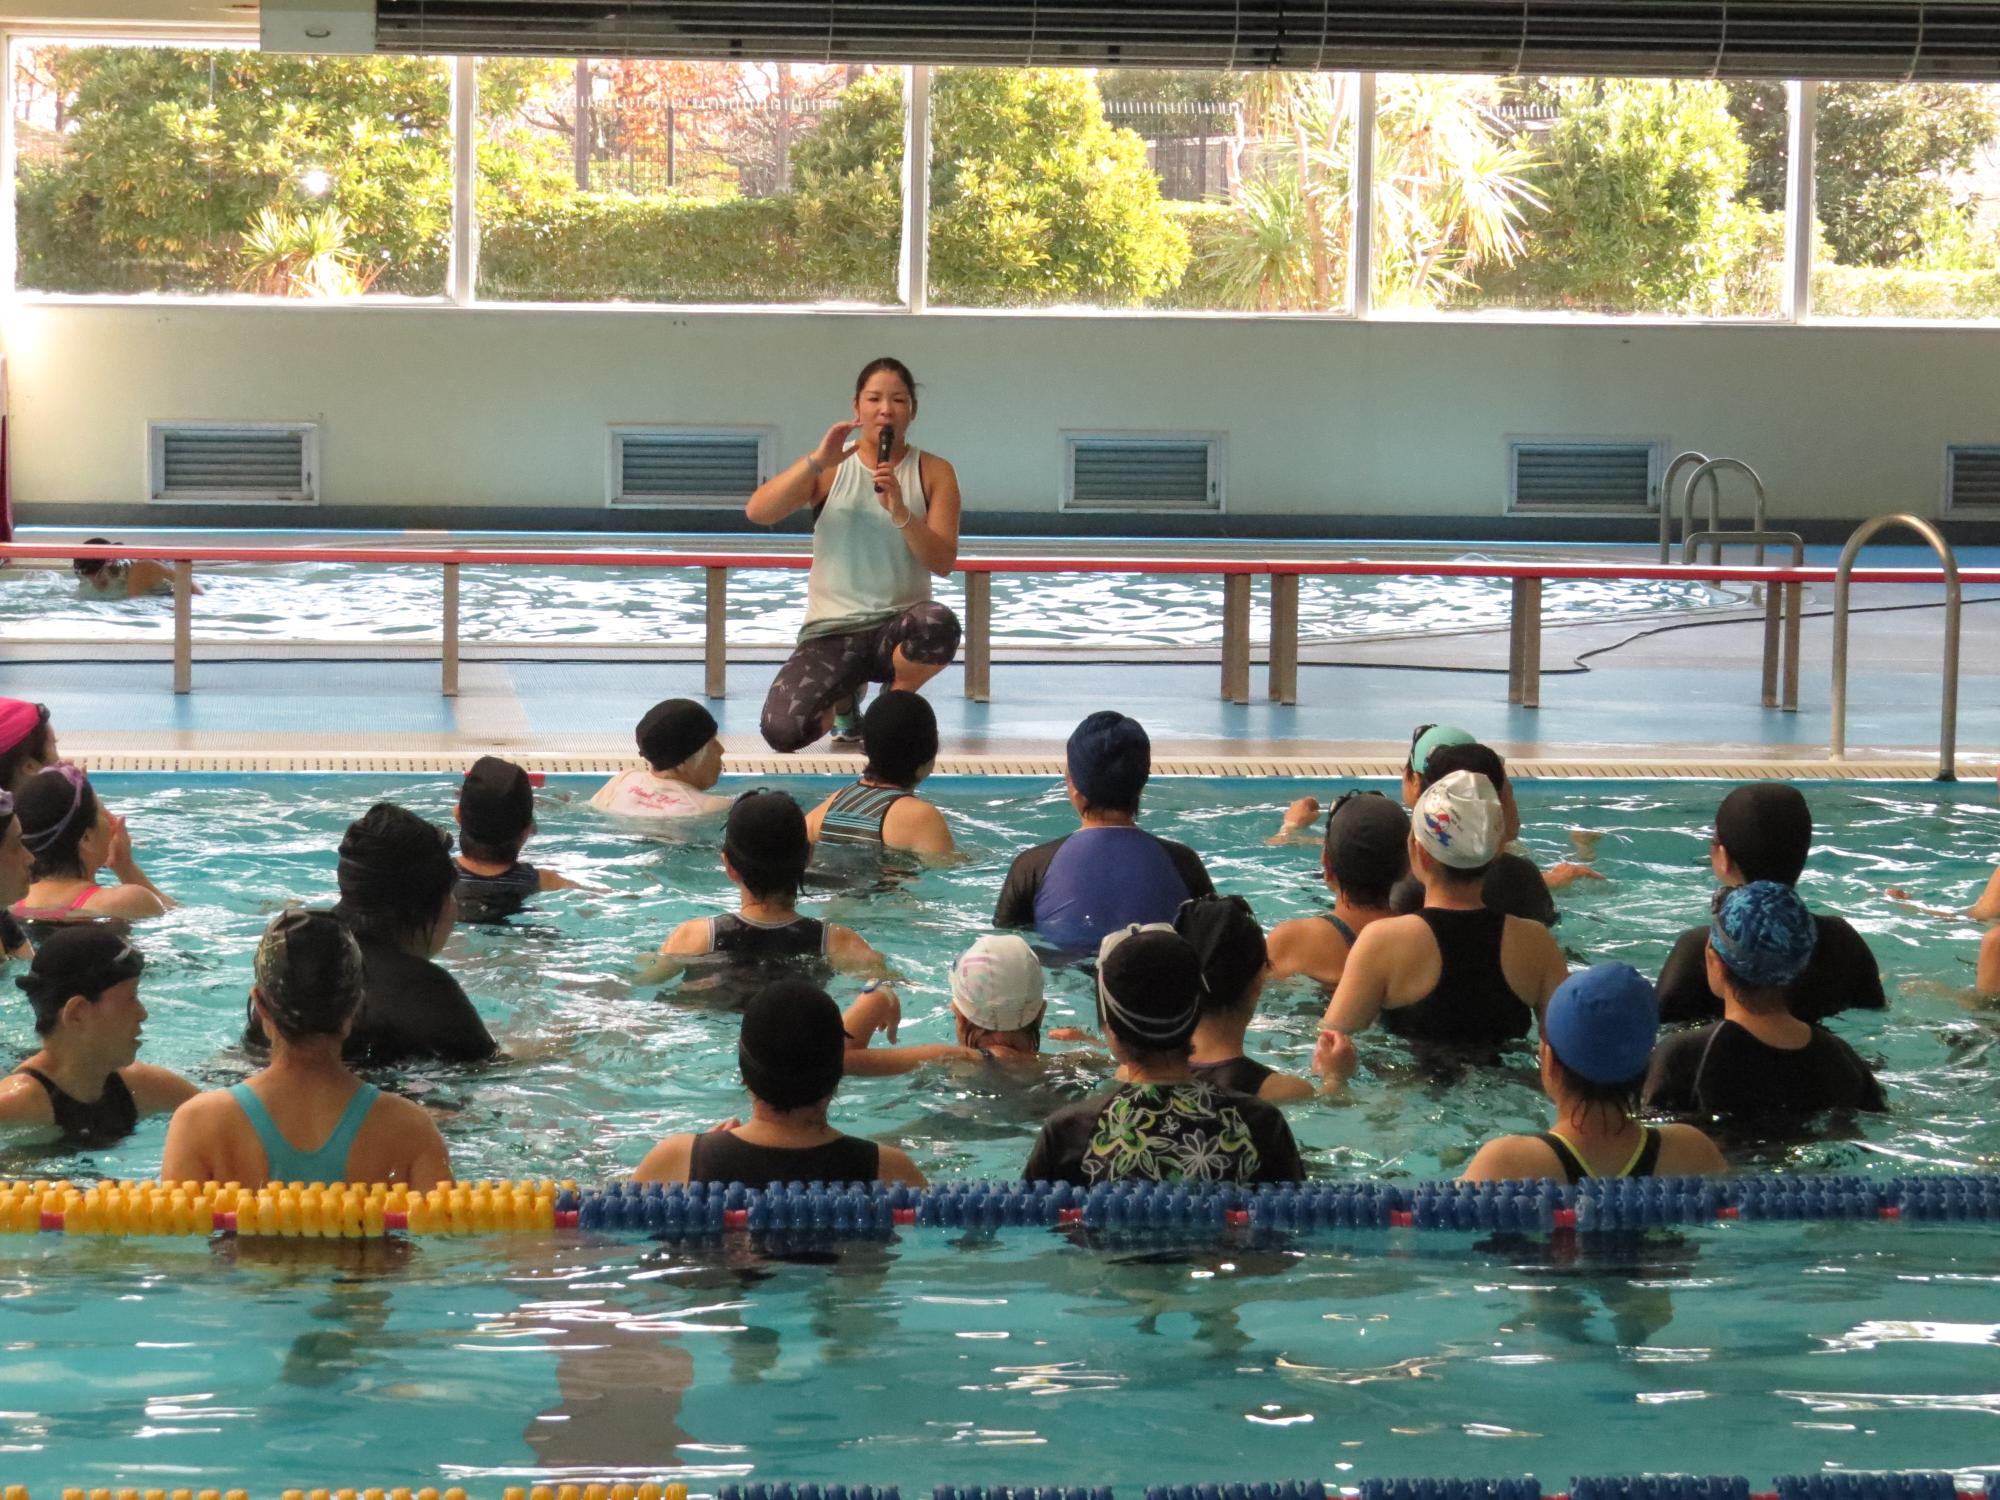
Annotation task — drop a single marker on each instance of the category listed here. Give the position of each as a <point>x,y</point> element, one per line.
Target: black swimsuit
<point>109,1117</point>
<point>494,898</point>
<point>724,1156</point>
<point>1239,1075</point>
<point>1643,1163</point>
<point>1472,1005</point>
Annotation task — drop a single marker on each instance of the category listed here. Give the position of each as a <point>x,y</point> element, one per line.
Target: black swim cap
<point>674,731</point>
<point>309,972</point>
<point>900,734</point>
<point>1229,943</point>
<point>395,872</point>
<point>765,842</point>
<point>793,1048</point>
<point>496,804</point>
<point>1367,844</point>
<point>1766,830</point>
<point>85,960</point>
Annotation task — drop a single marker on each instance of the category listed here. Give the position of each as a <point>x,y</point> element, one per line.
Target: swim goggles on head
<point>45,838</point>
<point>6,805</point>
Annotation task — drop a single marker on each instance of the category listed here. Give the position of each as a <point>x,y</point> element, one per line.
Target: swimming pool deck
<point>1663,697</point>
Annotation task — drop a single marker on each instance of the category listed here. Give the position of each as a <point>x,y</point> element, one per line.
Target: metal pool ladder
<point>1707,471</point>
<point>1667,501</point>
<point>1948,560</point>
<point>1781,608</point>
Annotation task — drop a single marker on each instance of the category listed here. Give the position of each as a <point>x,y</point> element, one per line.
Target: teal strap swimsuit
<point>287,1162</point>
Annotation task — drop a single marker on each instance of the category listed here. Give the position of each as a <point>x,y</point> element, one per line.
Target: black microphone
<point>882,448</point>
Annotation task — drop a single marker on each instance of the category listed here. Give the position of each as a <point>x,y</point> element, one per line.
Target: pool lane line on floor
<point>421,763</point>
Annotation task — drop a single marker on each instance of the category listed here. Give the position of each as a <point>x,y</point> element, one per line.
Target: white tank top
<point>863,572</point>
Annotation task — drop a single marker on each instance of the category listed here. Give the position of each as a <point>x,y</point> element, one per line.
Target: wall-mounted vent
<point>1972,477</point>
<point>1143,471</point>
<point>1546,476</point>
<point>233,463</point>
<point>668,466</point>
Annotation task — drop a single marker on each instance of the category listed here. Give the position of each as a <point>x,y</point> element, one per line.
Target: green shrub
<point>613,247</point>
<point>1882,292</point>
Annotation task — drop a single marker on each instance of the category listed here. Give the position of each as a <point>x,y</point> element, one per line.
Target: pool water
<point>1023,1358</point>
<point>598,1071</point>
<point>652,606</point>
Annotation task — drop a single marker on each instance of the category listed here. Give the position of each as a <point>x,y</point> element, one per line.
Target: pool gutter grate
<point>407,763</point>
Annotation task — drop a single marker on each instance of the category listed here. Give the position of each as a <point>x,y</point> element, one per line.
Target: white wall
<point>450,407</point>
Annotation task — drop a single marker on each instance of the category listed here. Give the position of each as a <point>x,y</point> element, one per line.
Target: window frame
<point>913,256</point>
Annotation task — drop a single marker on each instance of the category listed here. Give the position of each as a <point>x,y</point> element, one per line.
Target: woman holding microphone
<point>885,518</point>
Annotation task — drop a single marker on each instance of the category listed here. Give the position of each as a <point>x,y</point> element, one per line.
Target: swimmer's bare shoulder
<point>669,1161</point>
<point>916,825</point>
<point>156,1090</point>
<point>24,1104</point>
<point>1311,946</point>
<point>1685,1151</point>
<point>896,1166</point>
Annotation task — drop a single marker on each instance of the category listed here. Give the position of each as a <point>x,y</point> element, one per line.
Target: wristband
<point>908,516</point>
<point>815,465</point>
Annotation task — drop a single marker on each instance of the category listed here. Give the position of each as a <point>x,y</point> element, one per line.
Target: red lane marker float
<point>736,1218</point>
<point>52,1221</point>
<point>567,1219</point>
<point>1069,1216</point>
<point>1728,1211</point>
<point>903,1215</point>
<point>392,1219</point>
<point>1892,1212</point>
<point>1237,1218</point>
<point>1401,1218</point>
<point>1564,1218</point>
<point>226,1222</point>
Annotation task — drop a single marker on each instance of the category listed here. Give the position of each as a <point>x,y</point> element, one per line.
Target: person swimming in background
<point>122,578</point>
<point>1763,832</point>
<point>84,1085</point>
<point>677,740</point>
<point>1597,1039</point>
<point>764,853</point>
<point>1763,1061</point>
<point>15,864</point>
<point>308,991</point>
<point>1162,1122</point>
<point>398,895</point>
<point>71,835</point>
<point>496,816</point>
<point>791,1052</point>
<point>1457,972</point>
<point>1110,873</point>
<point>1229,945</point>
<point>880,809</point>
<point>1366,851</point>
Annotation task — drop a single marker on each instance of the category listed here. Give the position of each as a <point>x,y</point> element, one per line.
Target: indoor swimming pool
<point>951,1357</point>
<point>335,601</point>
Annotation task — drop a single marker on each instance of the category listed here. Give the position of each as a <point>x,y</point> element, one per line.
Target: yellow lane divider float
<point>296,1210</point>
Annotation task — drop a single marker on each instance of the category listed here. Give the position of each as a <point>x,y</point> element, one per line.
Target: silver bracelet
<point>815,465</point>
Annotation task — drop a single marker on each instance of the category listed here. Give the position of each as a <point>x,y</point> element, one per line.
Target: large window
<point>1589,195</point>
<point>1906,190</point>
<point>641,181</point>
<point>1209,191</point>
<point>212,170</point>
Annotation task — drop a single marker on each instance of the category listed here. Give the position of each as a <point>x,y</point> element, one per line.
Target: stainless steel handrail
<point>1708,471</point>
<point>1667,499</point>
<point>1842,584</point>
<point>1782,607</point>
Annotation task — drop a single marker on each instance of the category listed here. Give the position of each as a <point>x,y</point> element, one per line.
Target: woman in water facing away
<point>885,520</point>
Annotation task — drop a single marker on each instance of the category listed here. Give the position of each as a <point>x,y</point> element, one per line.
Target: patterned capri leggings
<point>828,668</point>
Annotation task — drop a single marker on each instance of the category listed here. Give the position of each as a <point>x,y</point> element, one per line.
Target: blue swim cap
<point>1601,1023</point>
<point>1109,761</point>
<point>1763,934</point>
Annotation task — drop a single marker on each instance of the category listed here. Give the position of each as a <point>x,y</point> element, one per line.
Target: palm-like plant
<point>302,255</point>
<point>1266,261</point>
<point>1451,193</point>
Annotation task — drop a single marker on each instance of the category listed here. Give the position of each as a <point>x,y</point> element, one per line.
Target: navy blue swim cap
<point>1109,761</point>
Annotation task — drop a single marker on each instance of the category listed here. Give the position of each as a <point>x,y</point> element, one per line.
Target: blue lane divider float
<point>873,1209</point>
